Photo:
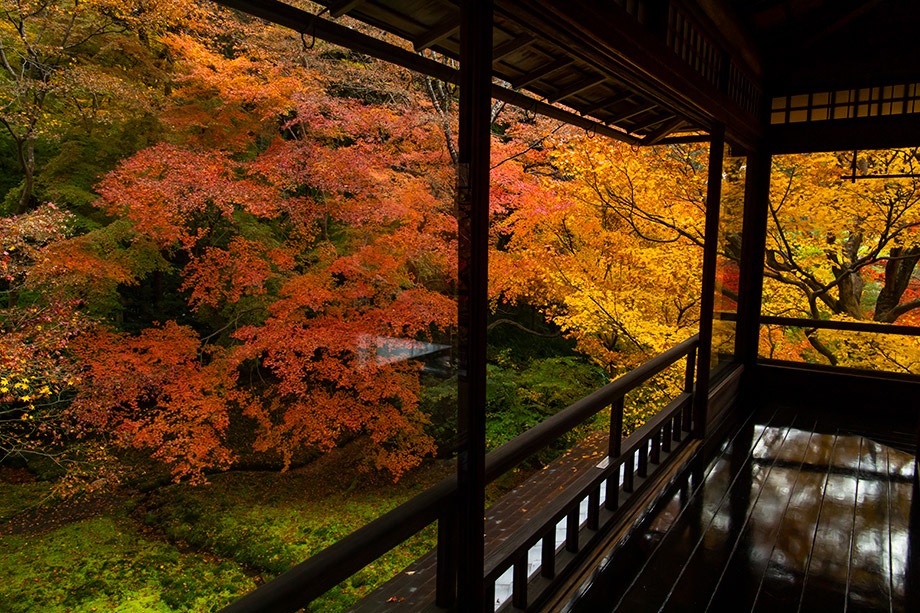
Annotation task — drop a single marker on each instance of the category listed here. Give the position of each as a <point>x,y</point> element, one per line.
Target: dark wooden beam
<point>725,28</point>
<point>707,295</point>
<point>689,138</point>
<point>542,72</point>
<point>603,104</point>
<point>845,134</point>
<point>847,18</point>
<point>577,88</point>
<point>632,113</point>
<point>341,7</point>
<point>436,34</point>
<point>753,246</point>
<point>853,326</point>
<point>654,123</point>
<point>658,135</point>
<point>510,46</point>
<point>554,112</point>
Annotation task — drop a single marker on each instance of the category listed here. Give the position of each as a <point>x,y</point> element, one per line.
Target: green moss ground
<point>184,548</point>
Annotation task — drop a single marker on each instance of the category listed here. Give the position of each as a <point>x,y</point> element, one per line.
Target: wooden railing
<point>640,453</point>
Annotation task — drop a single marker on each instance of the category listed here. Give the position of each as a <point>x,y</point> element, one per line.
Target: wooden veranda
<point>758,77</point>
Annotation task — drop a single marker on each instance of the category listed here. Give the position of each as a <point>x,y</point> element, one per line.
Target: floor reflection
<point>785,517</point>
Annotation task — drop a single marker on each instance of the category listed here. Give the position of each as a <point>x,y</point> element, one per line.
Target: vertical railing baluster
<point>612,497</point>
<point>446,583</point>
<point>489,595</point>
<point>571,530</point>
<point>519,583</point>
<point>629,467</point>
<point>594,508</point>
<point>689,384</point>
<point>614,450</point>
<point>655,457</point>
<point>688,373</point>
<point>548,555</point>
<point>677,432</point>
<point>666,435</point>
<point>616,428</point>
<point>643,460</point>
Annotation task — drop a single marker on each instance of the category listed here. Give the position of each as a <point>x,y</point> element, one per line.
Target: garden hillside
<point>229,273</point>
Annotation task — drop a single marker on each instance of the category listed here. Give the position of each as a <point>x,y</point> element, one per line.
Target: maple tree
<point>294,258</point>
<point>613,252</point>
<point>844,249</point>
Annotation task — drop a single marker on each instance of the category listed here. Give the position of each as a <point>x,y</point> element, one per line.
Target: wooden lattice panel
<point>858,103</point>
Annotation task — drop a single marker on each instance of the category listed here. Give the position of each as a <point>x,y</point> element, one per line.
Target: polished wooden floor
<point>790,515</point>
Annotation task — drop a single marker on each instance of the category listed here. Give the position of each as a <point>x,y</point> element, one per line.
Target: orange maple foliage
<point>160,390</point>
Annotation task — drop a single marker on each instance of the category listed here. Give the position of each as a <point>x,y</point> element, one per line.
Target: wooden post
<point>472,299</point>
<point>753,246</point>
<point>707,299</point>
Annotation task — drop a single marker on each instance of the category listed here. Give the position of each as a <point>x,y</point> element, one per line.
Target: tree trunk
<point>851,284</point>
<point>850,290</point>
<point>28,168</point>
<point>898,271</point>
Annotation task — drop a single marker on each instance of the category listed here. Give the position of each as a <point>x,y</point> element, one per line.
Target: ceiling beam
<point>632,113</point>
<point>436,34</point>
<point>603,104</point>
<point>577,88</point>
<point>661,133</point>
<point>543,71</point>
<point>689,138</point>
<point>343,6</point>
<point>844,134</point>
<point>508,47</point>
<point>843,21</point>
<point>724,27</point>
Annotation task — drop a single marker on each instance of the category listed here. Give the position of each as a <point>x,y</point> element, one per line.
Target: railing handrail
<point>295,588</point>
<point>850,326</point>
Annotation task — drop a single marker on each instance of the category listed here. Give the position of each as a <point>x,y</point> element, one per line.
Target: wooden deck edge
<point>584,573</point>
<point>582,576</point>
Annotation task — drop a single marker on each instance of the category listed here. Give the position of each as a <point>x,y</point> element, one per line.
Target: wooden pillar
<point>472,299</point>
<point>754,240</point>
<point>707,299</point>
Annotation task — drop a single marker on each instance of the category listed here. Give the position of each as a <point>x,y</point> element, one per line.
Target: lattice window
<point>743,90</point>
<point>847,104</point>
<point>633,7</point>
<point>687,41</point>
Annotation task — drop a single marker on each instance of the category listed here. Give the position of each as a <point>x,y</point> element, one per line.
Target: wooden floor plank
<point>824,523</point>
<point>652,586</point>
<point>783,577</point>
<point>900,464</point>
<point>869,583</point>
<point>703,570</point>
<point>744,568</point>
<point>826,574</point>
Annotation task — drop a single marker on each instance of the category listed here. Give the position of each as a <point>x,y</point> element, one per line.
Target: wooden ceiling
<point>645,71</point>
<point>810,45</point>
